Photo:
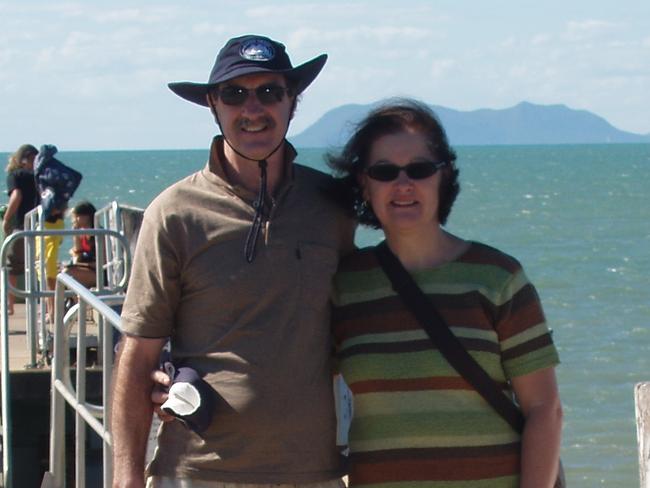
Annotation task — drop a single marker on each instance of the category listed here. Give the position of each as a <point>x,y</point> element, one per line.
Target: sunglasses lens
<point>233,95</point>
<point>420,171</point>
<point>415,171</point>
<point>269,94</point>
<point>383,172</point>
<point>266,94</point>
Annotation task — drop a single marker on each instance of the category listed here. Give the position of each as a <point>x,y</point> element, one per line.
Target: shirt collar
<point>216,173</point>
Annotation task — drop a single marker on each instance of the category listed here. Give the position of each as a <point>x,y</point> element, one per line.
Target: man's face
<point>255,127</point>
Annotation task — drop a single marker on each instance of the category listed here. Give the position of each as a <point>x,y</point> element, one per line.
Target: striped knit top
<point>416,421</point>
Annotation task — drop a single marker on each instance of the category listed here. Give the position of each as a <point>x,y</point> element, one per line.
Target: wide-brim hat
<point>246,55</point>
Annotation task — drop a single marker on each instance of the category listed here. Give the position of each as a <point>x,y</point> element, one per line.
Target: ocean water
<point>577,217</point>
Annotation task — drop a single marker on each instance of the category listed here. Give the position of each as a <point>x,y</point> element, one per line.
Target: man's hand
<point>159,394</point>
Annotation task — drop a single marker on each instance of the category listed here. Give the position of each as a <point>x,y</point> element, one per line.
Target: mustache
<point>244,122</point>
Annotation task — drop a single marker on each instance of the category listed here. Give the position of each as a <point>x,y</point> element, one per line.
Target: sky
<point>93,75</point>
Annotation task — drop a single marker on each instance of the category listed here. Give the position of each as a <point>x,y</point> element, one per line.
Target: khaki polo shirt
<point>258,333</point>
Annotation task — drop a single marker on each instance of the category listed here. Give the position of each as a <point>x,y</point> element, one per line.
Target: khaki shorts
<point>16,257</point>
<point>164,482</point>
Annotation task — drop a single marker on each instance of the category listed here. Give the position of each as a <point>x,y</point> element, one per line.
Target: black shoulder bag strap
<point>442,337</point>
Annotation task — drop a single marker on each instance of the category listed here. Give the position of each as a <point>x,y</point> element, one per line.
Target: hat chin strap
<point>259,218</point>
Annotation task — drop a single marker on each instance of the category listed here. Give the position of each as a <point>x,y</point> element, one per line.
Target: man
<point>234,265</point>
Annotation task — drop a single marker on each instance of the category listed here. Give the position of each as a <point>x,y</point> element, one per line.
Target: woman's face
<point>28,161</point>
<point>403,203</point>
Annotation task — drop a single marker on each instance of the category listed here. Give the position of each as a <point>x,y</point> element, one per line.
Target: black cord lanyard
<point>258,220</point>
<point>250,244</point>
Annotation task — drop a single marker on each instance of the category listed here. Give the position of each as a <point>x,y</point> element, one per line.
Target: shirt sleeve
<point>154,286</point>
<point>525,338</point>
<point>12,184</point>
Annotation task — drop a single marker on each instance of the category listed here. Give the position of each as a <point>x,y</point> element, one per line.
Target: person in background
<point>82,265</point>
<point>51,243</point>
<point>416,420</point>
<point>234,266</point>
<point>23,197</point>
<point>56,184</point>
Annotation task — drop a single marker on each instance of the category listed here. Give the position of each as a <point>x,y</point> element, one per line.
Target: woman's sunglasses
<point>419,170</point>
<point>237,95</point>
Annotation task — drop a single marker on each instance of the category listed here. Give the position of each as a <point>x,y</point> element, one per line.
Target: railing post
<point>80,425</point>
<point>57,402</point>
<point>31,301</point>
<point>63,391</point>
<point>7,460</point>
<point>107,374</point>
<point>642,407</point>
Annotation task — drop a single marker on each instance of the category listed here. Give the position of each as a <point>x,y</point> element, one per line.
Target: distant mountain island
<point>525,123</point>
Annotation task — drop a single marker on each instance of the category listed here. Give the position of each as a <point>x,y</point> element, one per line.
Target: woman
<point>23,197</point>
<point>415,418</point>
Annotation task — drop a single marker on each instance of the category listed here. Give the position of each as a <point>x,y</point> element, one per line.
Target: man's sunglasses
<point>419,170</point>
<point>237,95</point>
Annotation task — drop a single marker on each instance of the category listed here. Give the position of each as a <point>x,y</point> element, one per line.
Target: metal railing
<point>126,220</point>
<point>113,257</point>
<point>35,284</point>
<point>63,390</point>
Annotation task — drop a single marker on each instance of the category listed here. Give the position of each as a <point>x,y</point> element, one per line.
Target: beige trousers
<point>164,482</point>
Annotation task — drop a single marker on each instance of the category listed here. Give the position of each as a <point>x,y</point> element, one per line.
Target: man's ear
<point>294,105</point>
<point>212,103</point>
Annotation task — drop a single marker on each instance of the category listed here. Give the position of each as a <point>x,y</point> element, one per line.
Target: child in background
<point>82,266</point>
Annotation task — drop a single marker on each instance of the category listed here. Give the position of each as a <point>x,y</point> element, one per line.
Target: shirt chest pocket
<point>317,264</point>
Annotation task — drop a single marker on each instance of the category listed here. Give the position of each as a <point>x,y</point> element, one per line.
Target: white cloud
<point>5,56</point>
<point>441,67</point>
<point>77,44</point>
<point>509,42</point>
<point>208,28</point>
<point>362,34</point>
<point>587,29</point>
<point>300,10</point>
<point>149,15</point>
<point>123,15</point>
<point>616,44</point>
<point>328,13</point>
<point>541,39</point>
<point>37,9</point>
<point>519,71</point>
<point>45,57</point>
<point>589,25</point>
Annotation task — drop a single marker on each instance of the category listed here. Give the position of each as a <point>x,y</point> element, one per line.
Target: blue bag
<point>55,181</point>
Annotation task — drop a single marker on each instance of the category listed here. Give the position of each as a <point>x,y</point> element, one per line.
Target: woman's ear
<point>362,181</point>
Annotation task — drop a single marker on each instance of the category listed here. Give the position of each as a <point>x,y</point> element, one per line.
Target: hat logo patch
<point>257,50</point>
